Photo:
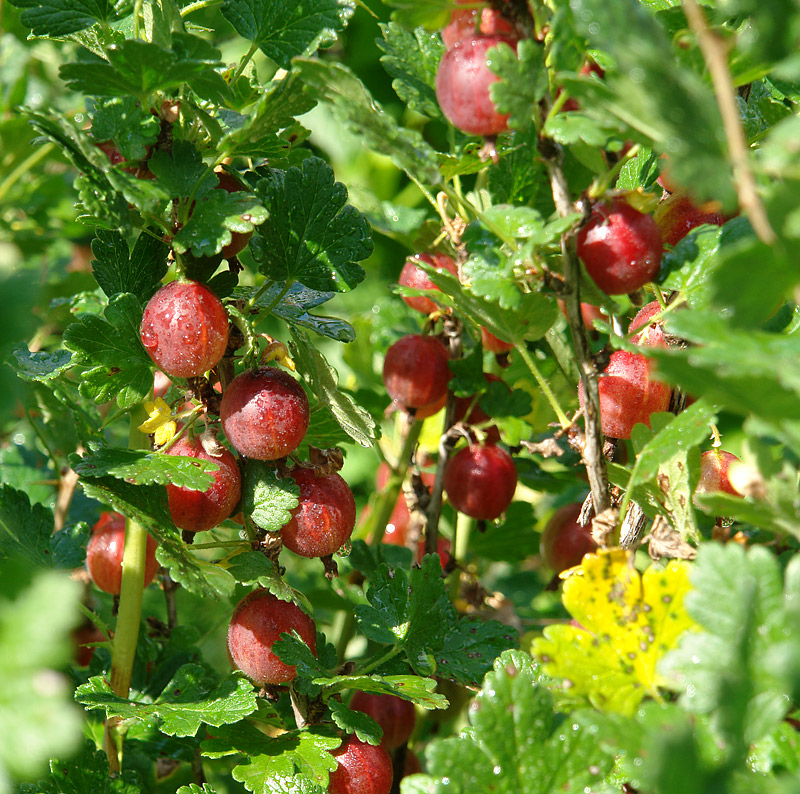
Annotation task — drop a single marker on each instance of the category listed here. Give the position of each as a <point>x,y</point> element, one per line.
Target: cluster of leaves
<point>675,678</point>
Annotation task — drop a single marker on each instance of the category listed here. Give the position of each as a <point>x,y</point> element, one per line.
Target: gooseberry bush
<point>400,396</point>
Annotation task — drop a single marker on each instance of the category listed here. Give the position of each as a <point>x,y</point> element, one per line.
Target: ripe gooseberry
<point>677,215</point>
<point>466,23</point>
<point>184,329</point>
<point>256,625</point>
<point>324,519</point>
<point>362,769</point>
<point>462,86</point>
<point>264,413</point>
<point>480,481</point>
<point>412,275</point>
<point>652,334</point>
<point>239,240</point>
<point>714,464</point>
<point>565,541</point>
<point>195,511</point>
<point>104,554</point>
<point>476,415</point>
<point>415,371</point>
<point>395,715</point>
<point>620,247</point>
<point>628,394</point>
<point>494,344</point>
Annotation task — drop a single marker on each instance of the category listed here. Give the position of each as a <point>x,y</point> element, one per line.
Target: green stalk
<point>543,385</point>
<point>123,646</point>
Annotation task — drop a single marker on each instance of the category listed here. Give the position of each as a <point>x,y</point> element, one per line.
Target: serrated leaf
<point>145,468</point>
<point>279,103</point>
<point>25,528</point>
<point>321,377</point>
<point>355,108</point>
<point>38,609</point>
<point>516,742</point>
<point>124,121</point>
<point>216,215</point>
<point>193,788</point>
<point>267,498</point>
<point>283,29</point>
<point>627,623</point>
<point>136,67</point>
<point>182,170</point>
<point>191,698</point>
<point>61,17</point>
<point>85,773</point>
<point>147,504</point>
<point>741,667</point>
<point>470,647</point>
<point>523,80</point>
<point>117,269</point>
<point>39,366</point>
<point>312,235</point>
<point>110,348</point>
<point>410,610</point>
<point>414,688</point>
<point>412,60</point>
<point>291,762</point>
<point>253,568</point>
<point>294,306</point>
<point>362,725</point>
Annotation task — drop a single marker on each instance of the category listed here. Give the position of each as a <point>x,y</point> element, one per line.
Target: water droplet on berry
<point>345,549</point>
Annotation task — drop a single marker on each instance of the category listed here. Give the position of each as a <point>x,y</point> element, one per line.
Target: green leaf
<point>257,133</point>
<point>61,17</point>
<point>470,647</point>
<point>515,744</point>
<point>39,366</point>
<point>742,667</point>
<point>182,170</point>
<point>292,762</point>
<point>145,468</point>
<point>322,380</point>
<point>267,498</point>
<point>283,29</point>
<point>523,80</point>
<point>412,60</point>
<point>312,235</point>
<point>409,610</point>
<point>25,528</point>
<point>362,725</point>
<point>215,216</point>
<point>294,307</point>
<point>117,269</point>
<point>354,107</point>
<point>253,568</point>
<point>117,365</point>
<point>137,68</point>
<point>124,121</point>
<point>193,788</point>
<point>85,773</point>
<point>191,698</point>
<point>415,688</point>
<point>37,612</point>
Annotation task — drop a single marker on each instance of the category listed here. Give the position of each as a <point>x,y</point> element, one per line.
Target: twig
<point>713,49</point>
<point>593,448</point>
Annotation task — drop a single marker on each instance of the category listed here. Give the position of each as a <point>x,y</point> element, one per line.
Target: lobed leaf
<point>118,269</point>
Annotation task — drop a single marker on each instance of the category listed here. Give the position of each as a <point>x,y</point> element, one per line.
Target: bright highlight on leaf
<point>160,423</point>
<point>628,621</point>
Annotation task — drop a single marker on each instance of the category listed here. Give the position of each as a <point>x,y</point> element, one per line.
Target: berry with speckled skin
<point>104,554</point>
<point>257,624</point>
<point>395,716</point>
<point>413,276</point>
<point>480,481</point>
<point>628,394</point>
<point>652,334</point>
<point>564,541</point>
<point>677,215</point>
<point>324,519</point>
<point>264,413</point>
<point>462,86</point>
<point>184,329</point>
<point>415,371</point>
<point>195,511</point>
<point>714,464</point>
<point>362,769</point>
<point>620,247</point>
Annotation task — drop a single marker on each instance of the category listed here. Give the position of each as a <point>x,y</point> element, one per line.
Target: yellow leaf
<point>626,622</point>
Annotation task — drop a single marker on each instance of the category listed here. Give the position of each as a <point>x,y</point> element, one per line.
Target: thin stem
<point>346,632</point>
<point>713,49</point>
<point>25,166</point>
<point>659,296</point>
<point>280,296</point>
<point>593,443</point>
<point>138,7</point>
<point>599,187</point>
<point>243,63</point>
<point>126,635</point>
<point>259,292</point>
<point>197,6</point>
<point>543,385</point>
<point>382,659</point>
